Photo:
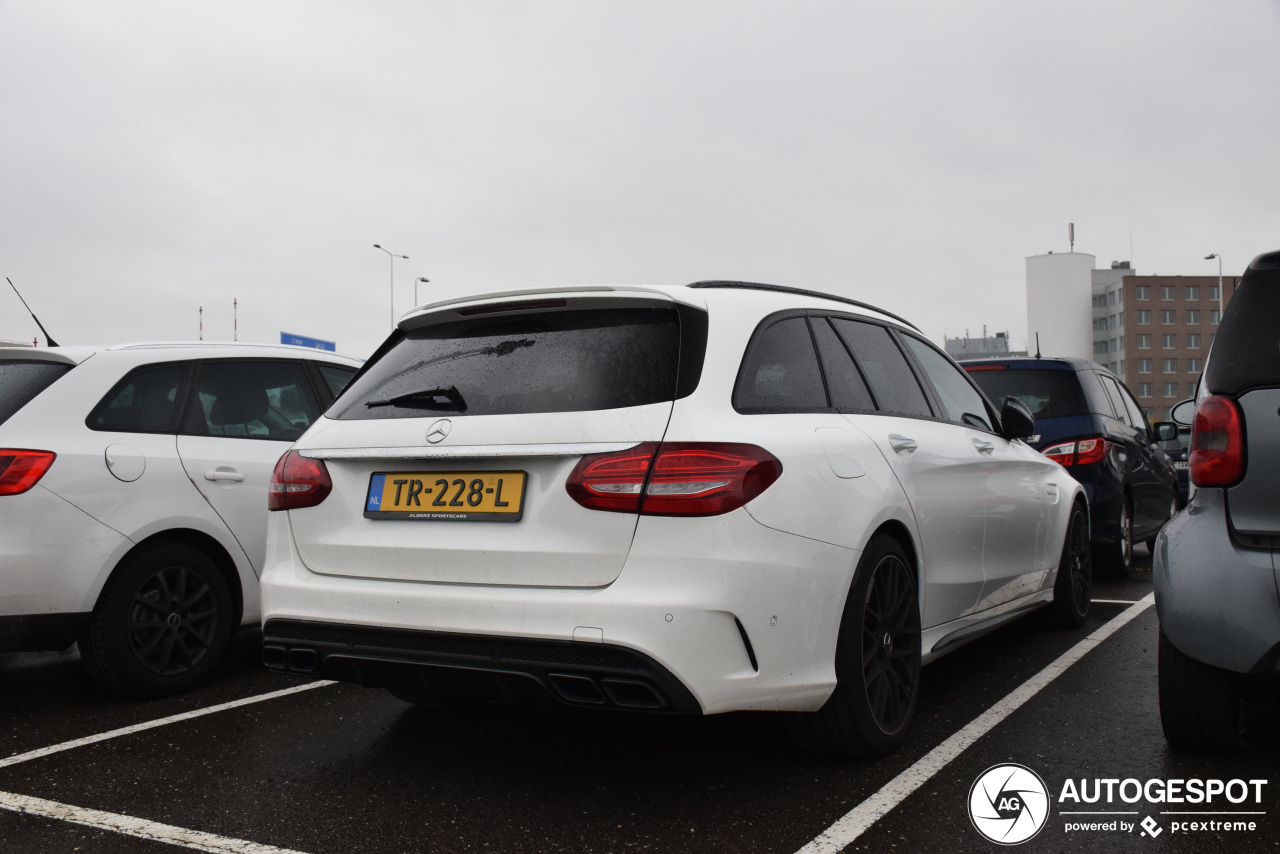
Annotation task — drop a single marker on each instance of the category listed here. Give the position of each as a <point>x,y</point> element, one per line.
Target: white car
<point>671,499</point>
<point>133,493</point>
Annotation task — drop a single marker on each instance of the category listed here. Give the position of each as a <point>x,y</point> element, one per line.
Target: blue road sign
<point>304,341</point>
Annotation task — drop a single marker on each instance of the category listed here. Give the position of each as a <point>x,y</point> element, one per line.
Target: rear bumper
<point>738,615</point>
<point>53,556</point>
<point>37,632</point>
<point>1217,602</point>
<point>485,668</point>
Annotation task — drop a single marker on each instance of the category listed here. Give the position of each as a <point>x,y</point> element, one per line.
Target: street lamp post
<point>391,256</point>
<point>415,288</point>
<point>1210,257</point>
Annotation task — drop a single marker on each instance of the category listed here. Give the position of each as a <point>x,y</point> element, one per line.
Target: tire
<point>161,625</point>
<point>877,662</point>
<point>1118,556</point>
<point>1199,703</point>
<point>1073,590</point>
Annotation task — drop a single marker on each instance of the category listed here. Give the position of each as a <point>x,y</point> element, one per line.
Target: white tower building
<point>1060,304</point>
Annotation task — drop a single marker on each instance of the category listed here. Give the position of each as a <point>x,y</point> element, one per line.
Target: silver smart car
<point>1216,562</point>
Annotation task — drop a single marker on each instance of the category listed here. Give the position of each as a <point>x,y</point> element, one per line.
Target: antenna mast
<point>49,341</point>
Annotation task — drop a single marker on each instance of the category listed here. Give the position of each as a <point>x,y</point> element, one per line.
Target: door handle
<point>901,444</point>
<point>224,474</point>
<point>983,447</point>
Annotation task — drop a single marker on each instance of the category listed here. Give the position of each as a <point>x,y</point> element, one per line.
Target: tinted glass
<point>335,377</point>
<point>143,402</point>
<point>1047,393</point>
<point>848,391</point>
<point>1246,351</point>
<point>569,361</point>
<point>21,381</point>
<point>1136,416</point>
<point>1095,394</point>
<point>780,371</point>
<point>961,402</point>
<point>892,381</point>
<point>251,400</point>
<point>1117,400</point>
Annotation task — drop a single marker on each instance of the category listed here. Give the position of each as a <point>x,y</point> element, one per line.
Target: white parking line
<point>860,818</point>
<point>172,719</point>
<point>1114,601</point>
<point>141,828</point>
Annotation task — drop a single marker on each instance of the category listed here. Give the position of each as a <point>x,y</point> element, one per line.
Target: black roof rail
<point>783,289</point>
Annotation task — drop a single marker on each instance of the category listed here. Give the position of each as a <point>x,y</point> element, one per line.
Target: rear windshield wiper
<point>430,398</point>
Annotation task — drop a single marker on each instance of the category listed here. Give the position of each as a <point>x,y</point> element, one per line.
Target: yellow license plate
<point>454,496</point>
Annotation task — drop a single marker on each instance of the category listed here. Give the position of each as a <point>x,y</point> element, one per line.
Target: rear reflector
<point>1217,443</point>
<point>674,478</point>
<point>20,470</point>
<point>298,482</point>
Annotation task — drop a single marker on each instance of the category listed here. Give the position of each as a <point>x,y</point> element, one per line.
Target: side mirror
<point>1016,419</point>
<point>1184,412</point>
<point>1166,431</point>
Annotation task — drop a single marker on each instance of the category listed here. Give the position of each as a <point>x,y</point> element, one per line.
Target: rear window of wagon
<point>563,361</point>
<point>22,380</point>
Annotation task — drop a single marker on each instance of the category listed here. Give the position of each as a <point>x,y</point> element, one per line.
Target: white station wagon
<point>668,499</point>
<point>133,491</point>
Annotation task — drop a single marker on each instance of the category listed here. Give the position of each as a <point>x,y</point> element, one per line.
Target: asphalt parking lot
<point>335,768</point>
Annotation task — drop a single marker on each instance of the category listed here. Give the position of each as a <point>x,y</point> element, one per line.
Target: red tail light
<point>1217,443</point>
<point>298,482</point>
<point>21,470</point>
<point>674,478</point>
<point>1079,453</point>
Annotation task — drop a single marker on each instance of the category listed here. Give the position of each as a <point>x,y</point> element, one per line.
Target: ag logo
<point>439,431</point>
<point>1009,804</point>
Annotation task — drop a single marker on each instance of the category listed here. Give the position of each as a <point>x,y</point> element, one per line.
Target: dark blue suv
<point>1088,421</point>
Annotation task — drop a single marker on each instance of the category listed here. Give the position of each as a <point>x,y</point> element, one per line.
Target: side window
<point>1117,400</point>
<point>1094,393</point>
<point>251,400</point>
<point>780,372</point>
<point>335,377</point>
<point>848,391</point>
<point>1136,416</point>
<point>891,379</point>
<point>142,402</point>
<point>961,402</point>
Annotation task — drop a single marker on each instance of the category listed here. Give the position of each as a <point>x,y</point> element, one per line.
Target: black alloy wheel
<point>891,644</point>
<point>173,620</point>
<point>162,622</point>
<point>877,661</point>
<point>1073,590</point>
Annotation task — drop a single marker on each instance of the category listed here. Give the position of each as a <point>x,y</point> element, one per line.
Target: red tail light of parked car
<point>674,478</point>
<point>1217,443</point>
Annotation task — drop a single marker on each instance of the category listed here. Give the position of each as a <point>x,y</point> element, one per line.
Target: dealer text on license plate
<point>486,496</point>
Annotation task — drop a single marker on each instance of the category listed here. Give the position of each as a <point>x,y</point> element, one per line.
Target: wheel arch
<point>209,546</point>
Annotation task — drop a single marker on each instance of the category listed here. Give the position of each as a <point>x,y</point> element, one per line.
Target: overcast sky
<point>157,157</point>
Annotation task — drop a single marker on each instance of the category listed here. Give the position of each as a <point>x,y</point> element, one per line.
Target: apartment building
<point>1169,324</point>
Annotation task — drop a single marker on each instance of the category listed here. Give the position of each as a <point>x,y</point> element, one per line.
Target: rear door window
<point>145,401</point>
<point>849,392</point>
<point>20,381</point>
<point>252,400</point>
<point>563,361</point>
<point>890,377</point>
<point>780,372</point>
<point>1118,401</point>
